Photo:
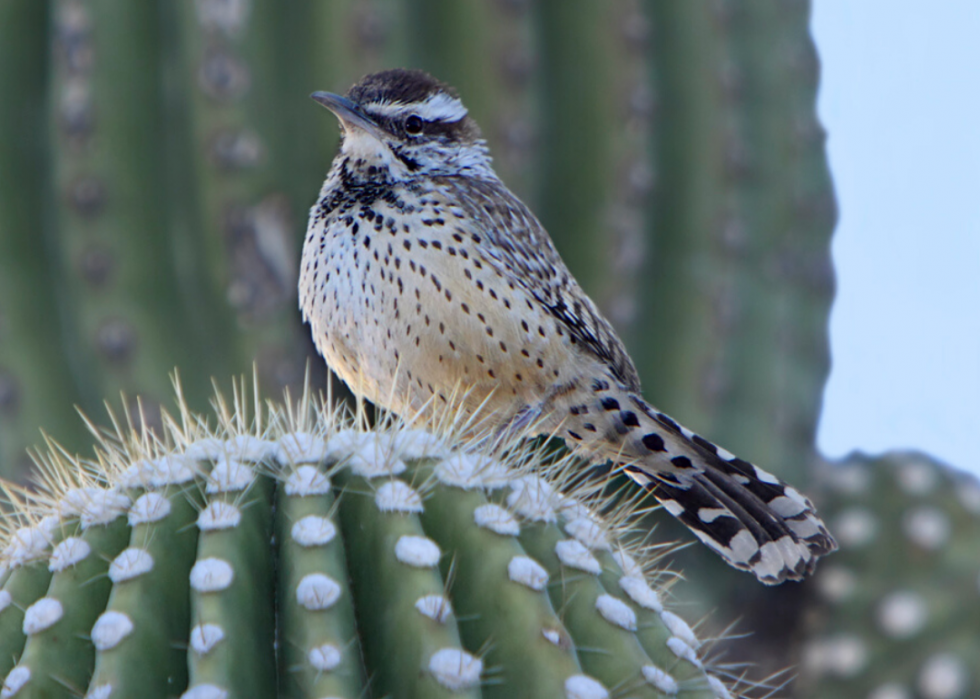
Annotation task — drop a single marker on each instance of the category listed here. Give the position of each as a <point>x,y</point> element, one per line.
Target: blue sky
<point>900,99</point>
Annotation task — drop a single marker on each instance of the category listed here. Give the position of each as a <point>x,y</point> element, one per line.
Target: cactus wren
<point>422,272</point>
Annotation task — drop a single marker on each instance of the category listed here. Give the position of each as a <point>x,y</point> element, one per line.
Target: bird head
<point>402,124</point>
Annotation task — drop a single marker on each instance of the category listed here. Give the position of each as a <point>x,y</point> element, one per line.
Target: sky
<point>900,99</point>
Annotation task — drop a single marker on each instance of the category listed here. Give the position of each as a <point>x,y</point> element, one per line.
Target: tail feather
<point>726,517</point>
<point>754,520</point>
<point>751,518</point>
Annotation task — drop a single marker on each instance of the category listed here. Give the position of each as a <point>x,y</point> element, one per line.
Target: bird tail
<point>752,519</point>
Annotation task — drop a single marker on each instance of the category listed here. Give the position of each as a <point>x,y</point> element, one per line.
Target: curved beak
<point>349,114</point>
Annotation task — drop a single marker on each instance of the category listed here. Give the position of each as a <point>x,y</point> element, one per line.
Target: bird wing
<point>512,240</point>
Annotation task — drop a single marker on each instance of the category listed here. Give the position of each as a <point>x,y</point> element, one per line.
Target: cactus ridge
<point>296,554</point>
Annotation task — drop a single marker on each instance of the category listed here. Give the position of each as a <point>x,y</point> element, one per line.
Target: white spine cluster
<point>130,564</point>
<point>307,481</point>
<point>317,591</point>
<point>204,637</point>
<point>455,669</point>
<point>148,508</point>
<point>313,530</point>
<point>212,575</point>
<point>417,551</point>
<point>574,555</point>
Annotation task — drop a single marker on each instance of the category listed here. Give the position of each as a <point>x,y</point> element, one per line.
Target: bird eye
<point>413,125</point>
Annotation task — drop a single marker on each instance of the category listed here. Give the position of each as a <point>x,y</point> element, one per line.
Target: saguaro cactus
<point>897,612</point>
<point>294,555</point>
<point>36,384</point>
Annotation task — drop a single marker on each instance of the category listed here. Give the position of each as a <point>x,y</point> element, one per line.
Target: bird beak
<point>349,113</point>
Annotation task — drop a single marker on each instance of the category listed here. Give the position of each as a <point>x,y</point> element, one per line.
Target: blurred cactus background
<point>897,611</point>
<point>157,160</point>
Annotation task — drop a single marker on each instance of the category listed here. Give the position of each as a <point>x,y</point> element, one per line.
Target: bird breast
<point>405,307</point>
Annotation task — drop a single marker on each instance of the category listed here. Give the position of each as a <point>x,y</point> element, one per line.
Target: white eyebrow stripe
<point>437,107</point>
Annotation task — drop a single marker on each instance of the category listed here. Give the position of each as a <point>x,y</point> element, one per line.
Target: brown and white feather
<point>422,273</point>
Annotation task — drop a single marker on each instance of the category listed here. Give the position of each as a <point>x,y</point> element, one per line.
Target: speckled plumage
<point>422,273</point>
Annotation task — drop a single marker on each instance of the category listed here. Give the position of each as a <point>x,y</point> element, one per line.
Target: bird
<point>422,272</point>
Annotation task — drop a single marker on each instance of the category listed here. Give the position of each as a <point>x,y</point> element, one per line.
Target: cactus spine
<point>405,563</point>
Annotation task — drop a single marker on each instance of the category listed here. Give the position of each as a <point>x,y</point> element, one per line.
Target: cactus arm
<point>243,217</point>
<point>733,338</point>
<point>310,544</point>
<point>150,660</point>
<point>399,641</point>
<point>782,202</point>
<point>36,388</point>
<point>59,653</point>
<point>232,581</point>
<point>538,655</point>
<point>577,105</point>
<point>688,151</point>
<point>895,611</point>
<point>126,325</point>
<point>741,218</point>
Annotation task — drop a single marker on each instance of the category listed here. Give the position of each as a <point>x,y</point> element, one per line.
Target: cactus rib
<point>301,557</point>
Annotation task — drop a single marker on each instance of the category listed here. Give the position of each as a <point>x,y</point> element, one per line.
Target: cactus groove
<point>294,555</point>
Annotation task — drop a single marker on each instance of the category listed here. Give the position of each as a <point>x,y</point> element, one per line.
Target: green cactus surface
<point>897,609</point>
<point>108,180</point>
<point>292,554</point>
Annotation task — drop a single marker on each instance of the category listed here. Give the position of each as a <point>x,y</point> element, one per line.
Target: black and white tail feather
<point>752,519</point>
